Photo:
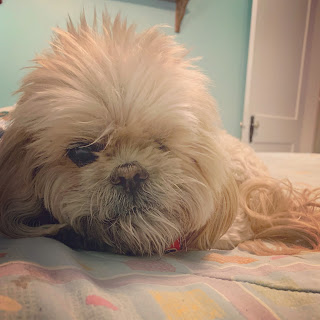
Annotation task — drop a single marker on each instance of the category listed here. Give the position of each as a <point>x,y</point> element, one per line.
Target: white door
<point>274,99</point>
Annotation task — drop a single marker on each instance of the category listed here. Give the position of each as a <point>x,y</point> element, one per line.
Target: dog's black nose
<point>129,175</point>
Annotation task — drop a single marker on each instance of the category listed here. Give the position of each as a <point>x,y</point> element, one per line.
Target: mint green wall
<point>217,30</point>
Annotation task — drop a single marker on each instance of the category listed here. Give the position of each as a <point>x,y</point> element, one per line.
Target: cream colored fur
<point>140,97</point>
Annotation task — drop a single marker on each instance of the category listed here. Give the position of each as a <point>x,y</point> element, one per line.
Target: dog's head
<point>116,135</point>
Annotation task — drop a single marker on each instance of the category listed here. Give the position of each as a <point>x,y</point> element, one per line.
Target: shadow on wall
<point>163,4</point>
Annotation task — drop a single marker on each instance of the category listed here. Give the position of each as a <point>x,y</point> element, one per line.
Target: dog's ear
<point>19,206</point>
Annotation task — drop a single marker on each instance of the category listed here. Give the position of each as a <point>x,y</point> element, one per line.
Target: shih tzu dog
<point>116,144</point>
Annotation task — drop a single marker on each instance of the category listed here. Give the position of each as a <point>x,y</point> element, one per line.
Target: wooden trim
<point>302,63</point>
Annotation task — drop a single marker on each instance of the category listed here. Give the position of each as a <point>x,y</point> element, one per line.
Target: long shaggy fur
<point>142,100</point>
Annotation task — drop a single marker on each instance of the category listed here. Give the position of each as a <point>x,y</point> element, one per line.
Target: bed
<point>41,278</point>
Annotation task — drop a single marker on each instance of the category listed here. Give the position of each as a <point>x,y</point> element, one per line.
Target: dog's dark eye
<point>83,154</point>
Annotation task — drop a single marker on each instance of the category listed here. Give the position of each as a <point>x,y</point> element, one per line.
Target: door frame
<point>311,83</point>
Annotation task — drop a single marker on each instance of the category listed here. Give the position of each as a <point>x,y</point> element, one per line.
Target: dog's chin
<point>134,232</point>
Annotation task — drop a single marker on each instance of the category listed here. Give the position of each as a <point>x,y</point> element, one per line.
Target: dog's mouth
<point>119,203</point>
<point>134,207</point>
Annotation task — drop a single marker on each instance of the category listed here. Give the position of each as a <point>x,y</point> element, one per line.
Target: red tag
<point>176,246</point>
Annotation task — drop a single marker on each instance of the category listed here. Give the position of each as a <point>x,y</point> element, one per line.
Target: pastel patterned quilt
<point>41,278</point>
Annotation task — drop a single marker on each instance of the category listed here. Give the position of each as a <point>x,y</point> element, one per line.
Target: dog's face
<point>119,139</point>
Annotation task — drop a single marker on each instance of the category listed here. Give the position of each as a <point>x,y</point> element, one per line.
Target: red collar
<point>176,246</point>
